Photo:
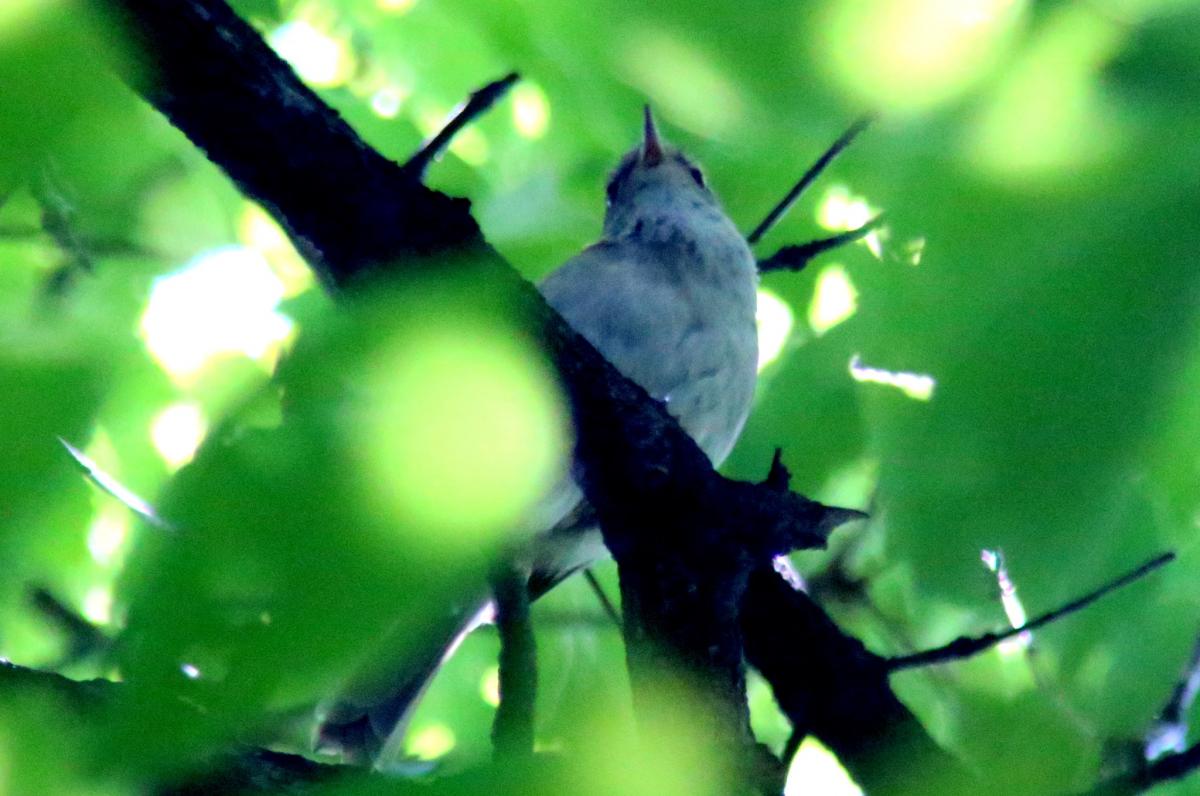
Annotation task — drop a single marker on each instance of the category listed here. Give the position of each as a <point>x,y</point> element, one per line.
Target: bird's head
<point>653,180</point>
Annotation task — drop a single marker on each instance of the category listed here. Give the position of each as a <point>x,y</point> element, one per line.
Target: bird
<point>668,295</point>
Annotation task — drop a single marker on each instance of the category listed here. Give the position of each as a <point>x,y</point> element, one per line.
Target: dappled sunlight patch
<point>260,232</point>
<point>464,430</point>
<point>914,54</point>
<point>177,431</point>
<point>840,210</point>
<point>918,386</point>
<point>815,769</point>
<point>386,101</point>
<point>530,110</point>
<point>98,605</point>
<point>319,58</point>
<point>224,301</point>
<point>430,741</point>
<point>108,533</point>
<point>834,300</point>
<point>396,6</point>
<point>489,686</point>
<point>15,14</point>
<point>914,250</point>
<point>775,320</point>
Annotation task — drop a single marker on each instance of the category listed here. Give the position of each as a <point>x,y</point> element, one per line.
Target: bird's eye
<point>613,186</point>
<point>696,175</point>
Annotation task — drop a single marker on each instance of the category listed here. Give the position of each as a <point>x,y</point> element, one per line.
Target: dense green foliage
<point>1037,280</point>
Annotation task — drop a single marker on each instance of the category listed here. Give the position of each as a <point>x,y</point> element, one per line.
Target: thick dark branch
<point>831,687</point>
<point>967,646</point>
<point>349,208</point>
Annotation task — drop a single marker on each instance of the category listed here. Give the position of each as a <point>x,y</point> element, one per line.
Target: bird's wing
<point>623,300</point>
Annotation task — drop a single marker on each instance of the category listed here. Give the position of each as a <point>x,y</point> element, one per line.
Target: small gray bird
<point>668,296</point>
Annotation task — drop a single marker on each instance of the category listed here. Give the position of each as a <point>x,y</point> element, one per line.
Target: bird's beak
<point>652,153</point>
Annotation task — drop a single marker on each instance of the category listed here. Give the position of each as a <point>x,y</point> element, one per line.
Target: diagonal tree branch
<point>353,211</point>
<point>348,208</point>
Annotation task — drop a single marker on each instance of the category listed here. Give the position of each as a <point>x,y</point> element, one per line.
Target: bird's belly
<point>713,401</point>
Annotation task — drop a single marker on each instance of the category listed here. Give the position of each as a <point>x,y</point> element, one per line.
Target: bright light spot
<point>386,102</point>
<point>840,211</point>
<point>815,769</point>
<point>177,432</point>
<point>97,605</point>
<point>190,671</point>
<point>914,250</point>
<point>320,59</point>
<point>465,430</point>
<point>531,110</point>
<point>107,535</point>
<point>1013,609</point>
<point>471,146</point>
<point>918,386</point>
<point>259,231</point>
<point>396,6</point>
<point>430,742</point>
<point>222,302</point>
<point>775,321</point>
<point>685,82</point>
<point>489,686</point>
<point>834,300</point>
<point>15,14</point>
<point>914,54</point>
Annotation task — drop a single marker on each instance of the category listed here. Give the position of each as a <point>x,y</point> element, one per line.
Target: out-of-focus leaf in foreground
<point>363,513</point>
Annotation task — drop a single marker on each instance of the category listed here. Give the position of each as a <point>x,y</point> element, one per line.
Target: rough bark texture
<point>350,209</point>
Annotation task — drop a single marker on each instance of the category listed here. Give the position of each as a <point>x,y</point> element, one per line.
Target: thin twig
<point>795,258</point>
<point>778,477</point>
<point>966,646</point>
<point>58,218</point>
<point>83,638</point>
<point>813,172</point>
<point>479,101</point>
<point>1169,731</point>
<point>602,596</point>
<point>115,488</point>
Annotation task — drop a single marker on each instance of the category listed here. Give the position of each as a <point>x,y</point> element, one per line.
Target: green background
<point>1040,166</point>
